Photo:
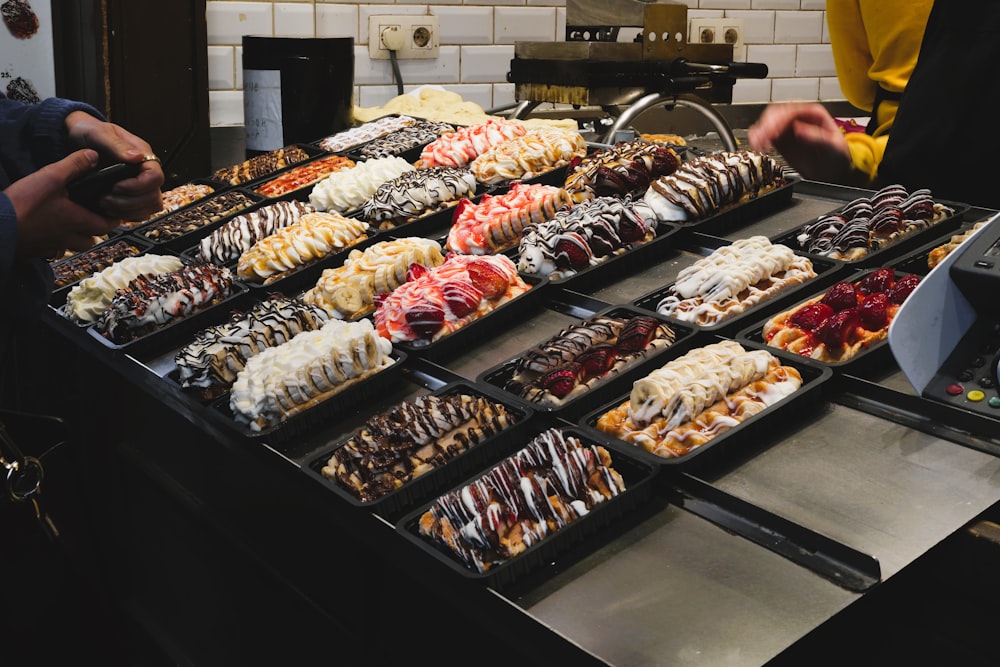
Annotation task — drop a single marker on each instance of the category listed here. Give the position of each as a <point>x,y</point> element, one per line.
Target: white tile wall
<point>477,37</point>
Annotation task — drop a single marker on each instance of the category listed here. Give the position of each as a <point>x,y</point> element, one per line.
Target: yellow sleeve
<point>866,154</point>
<point>875,43</point>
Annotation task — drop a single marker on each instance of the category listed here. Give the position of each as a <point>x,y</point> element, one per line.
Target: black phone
<point>88,190</point>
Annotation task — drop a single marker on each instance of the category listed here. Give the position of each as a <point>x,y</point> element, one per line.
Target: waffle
<point>625,168</point>
<point>529,155</point>
<point>459,148</point>
<point>237,235</point>
<point>697,397</point>
<point>935,256</point>
<point>733,279</point>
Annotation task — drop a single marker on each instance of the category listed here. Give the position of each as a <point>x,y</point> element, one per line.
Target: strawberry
<point>462,297</point>
<point>630,230</point>
<point>597,361</point>
<point>841,296</point>
<point>425,319</point>
<point>810,317</point>
<point>837,329</point>
<point>487,279</point>
<point>464,204</point>
<point>879,280</point>
<point>902,288</point>
<point>571,252</point>
<point>560,381</point>
<point>416,271</point>
<point>875,311</point>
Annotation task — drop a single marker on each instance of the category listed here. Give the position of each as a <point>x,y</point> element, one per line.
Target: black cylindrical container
<point>295,89</point>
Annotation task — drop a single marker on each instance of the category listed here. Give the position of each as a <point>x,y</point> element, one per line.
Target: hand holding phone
<point>88,190</point>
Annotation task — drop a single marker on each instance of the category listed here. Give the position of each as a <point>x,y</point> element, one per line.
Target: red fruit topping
<point>631,231</point>
<point>841,296</point>
<point>415,271</point>
<point>487,279</point>
<point>637,334</point>
<point>464,204</point>
<point>562,380</point>
<point>571,252</point>
<point>425,319</point>
<point>877,281</point>
<point>902,288</point>
<point>597,361</point>
<point>875,312</point>
<point>837,329</point>
<point>811,317</point>
<point>462,298</point>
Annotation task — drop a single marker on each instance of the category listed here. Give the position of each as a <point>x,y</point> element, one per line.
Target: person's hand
<point>47,221</point>
<point>133,198</point>
<point>806,135</point>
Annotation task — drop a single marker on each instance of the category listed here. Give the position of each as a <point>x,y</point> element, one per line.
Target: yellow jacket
<point>875,43</point>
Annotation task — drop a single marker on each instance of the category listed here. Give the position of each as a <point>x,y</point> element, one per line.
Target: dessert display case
<point>796,515</point>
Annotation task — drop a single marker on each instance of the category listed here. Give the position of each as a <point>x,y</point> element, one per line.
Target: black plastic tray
<point>620,265</point>
<point>889,252</point>
<point>874,356</point>
<point>734,216</point>
<point>185,240</point>
<point>58,297</point>
<point>431,225</point>
<point>750,432</point>
<point>301,192</point>
<point>827,272</point>
<point>218,187</point>
<point>916,261</point>
<point>345,151</point>
<point>491,324</point>
<point>498,375</point>
<point>310,150</point>
<point>178,331</point>
<point>280,436</point>
<point>637,475</point>
<point>421,489</point>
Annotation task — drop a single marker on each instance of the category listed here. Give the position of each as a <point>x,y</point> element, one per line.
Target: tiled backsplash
<point>477,43</point>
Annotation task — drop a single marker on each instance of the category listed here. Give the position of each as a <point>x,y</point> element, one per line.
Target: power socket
<point>412,37</point>
<point>716,31</point>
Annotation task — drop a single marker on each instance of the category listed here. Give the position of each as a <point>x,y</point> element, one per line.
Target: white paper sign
<point>262,109</point>
<point>27,65</point>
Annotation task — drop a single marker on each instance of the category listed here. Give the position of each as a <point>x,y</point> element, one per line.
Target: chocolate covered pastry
<point>403,139</point>
<point>90,297</point>
<point>555,480</point>
<point>91,261</point>
<point>411,439</point>
<point>179,223</point>
<point>260,166</point>
<point>174,199</point>
<point>19,18</point>
<point>237,235</point>
<point>152,302</point>
<point>209,364</point>
<point>625,168</point>
<point>373,129</point>
<point>416,193</point>
<point>346,190</point>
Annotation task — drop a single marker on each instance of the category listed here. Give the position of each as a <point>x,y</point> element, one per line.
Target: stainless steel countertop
<point>679,590</point>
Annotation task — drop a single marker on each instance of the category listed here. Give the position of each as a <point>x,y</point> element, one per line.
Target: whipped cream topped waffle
<point>732,279</point>
<point>304,175</point>
<point>868,224</point>
<point>412,438</point>
<point>416,193</point>
<point>373,129</point>
<point>348,292</point>
<point>845,321</point>
<point>90,297</point>
<point>625,168</point>
<point>347,189</point>
<point>286,380</point>
<point>260,166</point>
<point>461,147</point>
<point>196,216</point>
<point>529,155</point>
<point>405,138</point>
<point>585,235</point>
<point>703,186</point>
<point>210,363</point>
<point>555,480</point>
<point>578,357</point>
<point>89,262</point>
<point>307,240</point>
<point>699,396</point>
<point>937,254</point>
<point>174,199</point>
<point>496,222</point>
<point>238,234</point>
<point>151,302</point>
<point>436,302</point>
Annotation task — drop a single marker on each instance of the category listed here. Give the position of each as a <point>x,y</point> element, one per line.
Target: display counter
<point>225,547</point>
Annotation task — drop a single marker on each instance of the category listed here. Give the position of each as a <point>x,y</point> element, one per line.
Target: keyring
<point>23,481</point>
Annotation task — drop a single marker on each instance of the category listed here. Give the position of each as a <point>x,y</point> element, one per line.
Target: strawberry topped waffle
<point>845,321</point>
<point>459,148</point>
<point>436,302</point>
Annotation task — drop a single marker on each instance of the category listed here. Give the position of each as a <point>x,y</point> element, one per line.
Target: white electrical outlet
<point>716,31</point>
<point>410,36</point>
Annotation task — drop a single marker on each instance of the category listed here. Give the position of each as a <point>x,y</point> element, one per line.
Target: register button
<point>983,264</point>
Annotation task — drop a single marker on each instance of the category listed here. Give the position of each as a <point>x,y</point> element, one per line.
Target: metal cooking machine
<point>592,68</point>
